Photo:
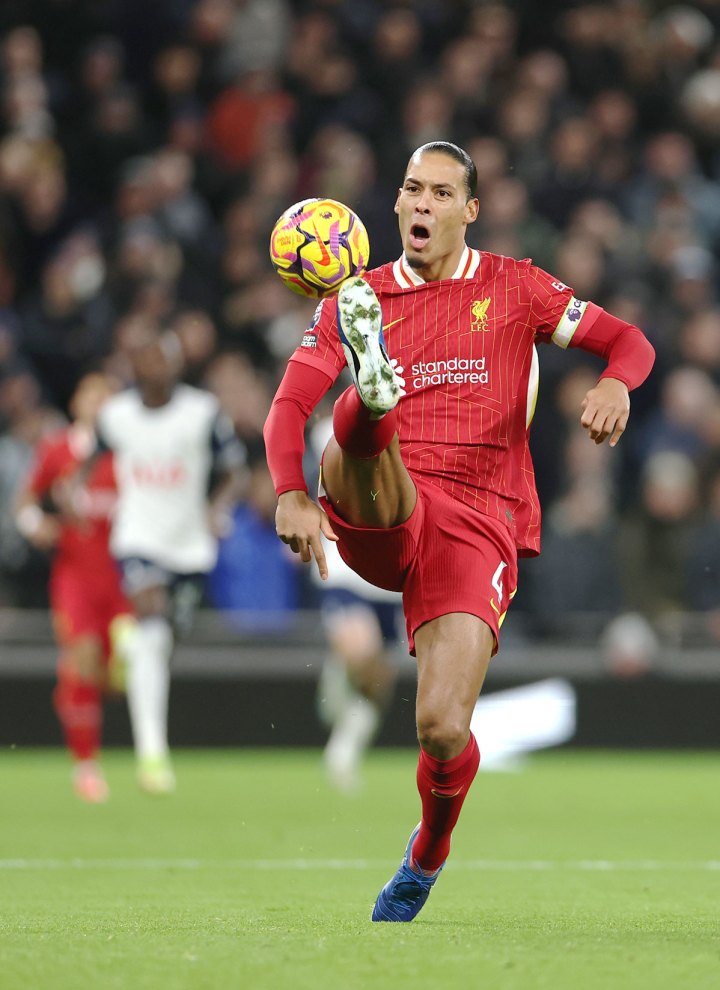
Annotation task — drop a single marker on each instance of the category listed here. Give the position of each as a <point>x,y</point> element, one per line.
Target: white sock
<point>148,686</point>
<point>334,692</point>
<point>352,734</point>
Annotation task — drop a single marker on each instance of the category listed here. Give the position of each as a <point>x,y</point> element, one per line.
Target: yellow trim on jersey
<point>496,610</point>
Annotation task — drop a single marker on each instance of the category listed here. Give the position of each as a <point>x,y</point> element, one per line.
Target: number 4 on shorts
<point>497,580</point>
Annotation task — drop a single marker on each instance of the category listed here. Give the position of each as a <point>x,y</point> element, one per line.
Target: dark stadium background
<point>145,152</point>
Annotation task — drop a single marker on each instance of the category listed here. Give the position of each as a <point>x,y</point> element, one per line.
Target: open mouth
<point>419,236</point>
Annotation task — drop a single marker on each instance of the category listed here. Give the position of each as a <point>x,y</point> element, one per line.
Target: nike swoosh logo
<point>392,323</point>
<point>438,793</point>
<point>324,253</point>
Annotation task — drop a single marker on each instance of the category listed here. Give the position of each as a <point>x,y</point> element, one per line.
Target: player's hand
<point>39,528</point>
<point>299,522</point>
<point>605,410</point>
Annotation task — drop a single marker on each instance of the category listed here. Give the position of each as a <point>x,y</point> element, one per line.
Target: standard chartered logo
<point>454,371</point>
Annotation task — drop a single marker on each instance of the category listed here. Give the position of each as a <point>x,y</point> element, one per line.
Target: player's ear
<point>396,208</point>
<point>472,208</point>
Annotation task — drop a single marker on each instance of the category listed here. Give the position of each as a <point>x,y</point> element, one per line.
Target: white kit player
<point>361,624</point>
<point>178,463</point>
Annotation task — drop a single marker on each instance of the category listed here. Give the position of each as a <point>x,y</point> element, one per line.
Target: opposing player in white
<point>361,623</point>
<point>178,467</point>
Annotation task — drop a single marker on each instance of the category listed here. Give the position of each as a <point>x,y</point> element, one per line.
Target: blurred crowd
<point>146,148</point>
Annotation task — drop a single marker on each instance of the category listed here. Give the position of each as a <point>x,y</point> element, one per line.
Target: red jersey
<point>470,366</point>
<point>83,545</point>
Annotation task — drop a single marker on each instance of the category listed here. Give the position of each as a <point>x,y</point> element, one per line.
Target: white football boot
<point>376,377</point>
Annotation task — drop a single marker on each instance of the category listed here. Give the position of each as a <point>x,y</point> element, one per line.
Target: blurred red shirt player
<point>88,606</point>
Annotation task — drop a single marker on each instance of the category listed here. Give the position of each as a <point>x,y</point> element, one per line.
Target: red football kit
<point>85,589</point>
<point>467,346</point>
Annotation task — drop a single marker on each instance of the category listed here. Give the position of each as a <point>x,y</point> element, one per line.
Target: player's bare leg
<point>377,492</point>
<point>453,655</point>
<point>148,685</point>
<point>355,687</point>
<point>78,703</point>
<point>363,473</point>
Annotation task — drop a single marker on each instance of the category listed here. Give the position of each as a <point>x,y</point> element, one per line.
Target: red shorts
<point>84,604</point>
<point>447,557</point>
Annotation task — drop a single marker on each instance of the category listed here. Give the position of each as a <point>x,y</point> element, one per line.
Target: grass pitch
<point>581,871</point>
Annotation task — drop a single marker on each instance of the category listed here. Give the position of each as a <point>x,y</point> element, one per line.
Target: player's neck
<point>444,267</point>
<point>156,396</point>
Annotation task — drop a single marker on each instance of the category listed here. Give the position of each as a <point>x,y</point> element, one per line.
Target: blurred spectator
<point>687,419</point>
<point>507,225</point>
<point>146,151</point>
<point>244,396</point>
<point>242,119</point>
<point>654,544</point>
<point>255,581</point>
<point>24,422</point>
<point>703,562</point>
<point>67,323</point>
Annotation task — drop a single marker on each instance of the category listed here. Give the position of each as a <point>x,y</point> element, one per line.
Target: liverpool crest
<point>479,314</point>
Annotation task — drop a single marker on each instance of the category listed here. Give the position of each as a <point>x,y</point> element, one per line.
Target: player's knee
<point>442,736</point>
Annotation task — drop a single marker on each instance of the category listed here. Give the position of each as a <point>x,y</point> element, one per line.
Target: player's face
<point>156,365</point>
<point>151,366</point>
<point>434,212</point>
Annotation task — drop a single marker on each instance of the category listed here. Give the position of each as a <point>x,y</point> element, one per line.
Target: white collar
<point>406,276</point>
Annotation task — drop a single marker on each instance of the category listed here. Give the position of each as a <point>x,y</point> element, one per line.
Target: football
<point>316,244</point>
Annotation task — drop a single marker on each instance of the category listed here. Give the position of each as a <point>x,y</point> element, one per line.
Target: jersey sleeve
<point>320,346</point>
<point>300,391</point>
<point>559,317</point>
<point>629,354</point>
<point>44,469</point>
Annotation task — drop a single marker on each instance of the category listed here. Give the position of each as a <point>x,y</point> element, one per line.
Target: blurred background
<point>146,149</point>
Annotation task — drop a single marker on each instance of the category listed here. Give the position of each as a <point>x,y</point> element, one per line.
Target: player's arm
<point>630,357</point>
<point>299,521</point>
<point>563,319</point>
<point>40,528</point>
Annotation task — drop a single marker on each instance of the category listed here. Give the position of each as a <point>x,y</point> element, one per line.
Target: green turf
<point>581,871</point>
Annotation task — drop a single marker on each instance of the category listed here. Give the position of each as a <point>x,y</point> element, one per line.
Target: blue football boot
<point>403,896</point>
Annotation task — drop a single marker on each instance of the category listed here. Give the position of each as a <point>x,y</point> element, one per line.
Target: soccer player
<point>427,485</point>
<point>178,466</point>
<point>361,625</point>
<point>88,605</point>
<point>358,676</point>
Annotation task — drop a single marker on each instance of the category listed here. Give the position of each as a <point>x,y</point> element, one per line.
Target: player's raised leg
<point>363,473</point>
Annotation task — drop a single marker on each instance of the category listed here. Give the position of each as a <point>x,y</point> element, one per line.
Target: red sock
<point>443,785</point>
<point>79,709</point>
<point>358,434</point>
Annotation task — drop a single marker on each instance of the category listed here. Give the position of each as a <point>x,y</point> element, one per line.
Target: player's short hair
<point>459,155</point>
